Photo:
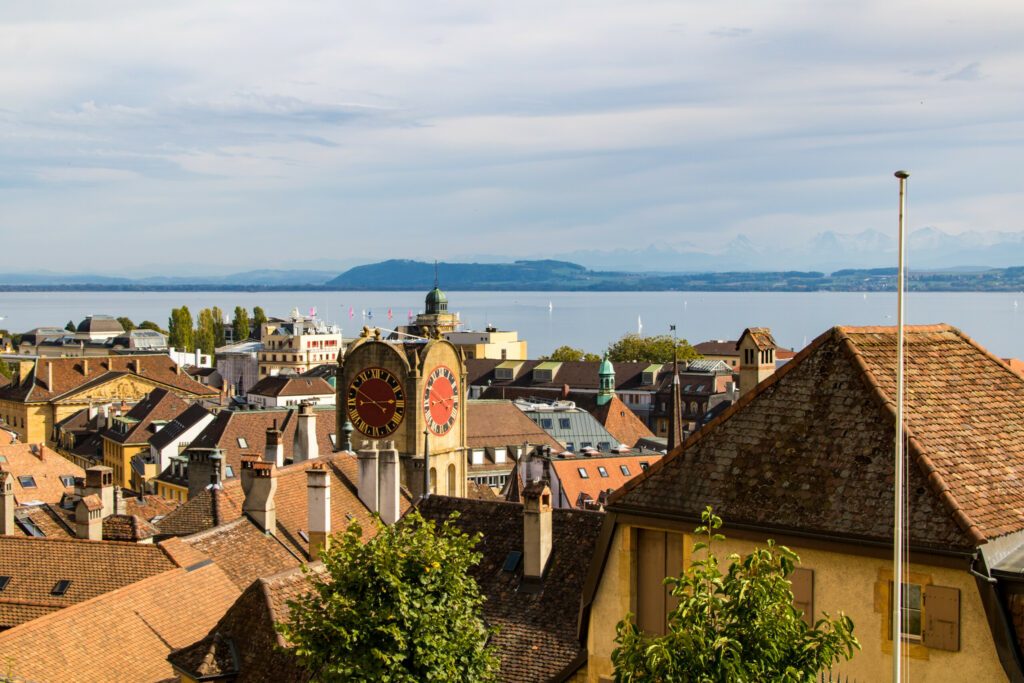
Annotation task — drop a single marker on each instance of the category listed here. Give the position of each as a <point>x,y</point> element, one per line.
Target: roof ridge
<point>722,417</point>
<point>931,473</point>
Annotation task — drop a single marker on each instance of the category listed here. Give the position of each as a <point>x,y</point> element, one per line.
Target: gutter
<point>994,595</point>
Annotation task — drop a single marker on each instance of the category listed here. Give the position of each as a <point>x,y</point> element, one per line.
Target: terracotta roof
<point>220,506</point>
<point>717,347</point>
<point>281,385</point>
<point>811,447</point>
<point>537,636</point>
<point>149,506</point>
<point>45,466</point>
<point>243,551</point>
<point>35,565</point>
<point>244,645</point>
<point>124,634</point>
<point>500,424</point>
<point>619,419</point>
<point>762,337</point>
<point>480,491</point>
<point>181,422</point>
<point>74,374</point>
<point>159,404</point>
<point>574,485</point>
<point>127,528</point>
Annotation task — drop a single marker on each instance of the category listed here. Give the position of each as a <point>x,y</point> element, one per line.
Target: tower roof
<point>436,296</point>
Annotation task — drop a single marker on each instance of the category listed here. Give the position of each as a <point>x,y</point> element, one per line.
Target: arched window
<point>451,481</point>
<point>693,407</point>
<point>433,480</point>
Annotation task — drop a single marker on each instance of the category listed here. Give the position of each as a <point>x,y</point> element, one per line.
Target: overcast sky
<point>255,134</point>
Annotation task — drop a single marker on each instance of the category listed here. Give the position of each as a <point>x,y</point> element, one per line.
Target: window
<point>229,472</point>
<point>27,481</point>
<point>644,465</point>
<point>500,455</point>
<point>67,479</point>
<point>930,614</point>
<point>512,561</point>
<point>802,584</point>
<point>570,446</point>
<point>545,422</point>
<point>585,444</point>
<point>4,580</point>
<point>659,554</point>
<point>602,471</point>
<point>242,443</point>
<point>61,587</point>
<point>911,611</point>
<point>604,446</point>
<point>624,469</point>
<point>583,473</point>
<point>563,423</point>
<point>478,456</point>
<point>334,439</point>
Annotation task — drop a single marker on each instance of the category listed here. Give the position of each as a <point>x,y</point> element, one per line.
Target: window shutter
<point>802,581</point>
<point>650,593</point>
<point>942,618</point>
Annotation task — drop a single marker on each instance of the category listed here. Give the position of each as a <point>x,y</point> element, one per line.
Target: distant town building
<point>298,344</point>
<point>286,391</point>
<point>491,343</point>
<point>239,364</point>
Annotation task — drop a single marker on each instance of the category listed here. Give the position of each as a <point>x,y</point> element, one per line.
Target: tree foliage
<point>240,326</point>
<point>5,370</point>
<point>738,626</point>
<point>150,325</point>
<point>570,353</point>
<point>126,323</point>
<point>258,318</point>
<point>181,334</point>
<point>219,328</point>
<point>402,607</point>
<point>70,327</point>
<point>656,349</point>
<point>206,332</point>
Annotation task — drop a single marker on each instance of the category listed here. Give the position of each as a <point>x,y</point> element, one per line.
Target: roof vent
<point>61,587</point>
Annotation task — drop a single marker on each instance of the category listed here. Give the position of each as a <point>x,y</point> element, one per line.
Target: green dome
<point>606,367</point>
<point>437,302</point>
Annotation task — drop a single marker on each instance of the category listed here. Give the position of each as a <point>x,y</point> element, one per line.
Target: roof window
<point>334,439</point>
<point>624,469</point>
<point>512,561</point>
<point>583,473</point>
<point>29,527</point>
<point>3,458</point>
<point>61,587</point>
<point>602,471</point>
<point>304,535</point>
<point>545,422</point>
<point>242,443</point>
<point>229,472</point>
<point>644,465</point>
<point>4,580</point>
<point>27,481</point>
<point>67,479</point>
<point>563,423</point>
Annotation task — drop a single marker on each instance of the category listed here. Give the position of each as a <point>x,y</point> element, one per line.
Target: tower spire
<point>435,274</point>
<point>675,421</point>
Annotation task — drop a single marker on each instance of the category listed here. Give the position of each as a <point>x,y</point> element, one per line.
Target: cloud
<point>971,72</point>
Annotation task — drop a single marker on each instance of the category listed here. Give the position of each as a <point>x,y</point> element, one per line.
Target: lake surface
<point>588,320</point>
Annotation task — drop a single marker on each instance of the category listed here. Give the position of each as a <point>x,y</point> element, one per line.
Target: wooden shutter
<point>673,567</point>
<point>802,581</point>
<point>942,618</point>
<point>650,591</point>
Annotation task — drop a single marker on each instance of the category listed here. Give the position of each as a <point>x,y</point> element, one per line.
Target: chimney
<point>120,508</point>
<point>368,472</point>
<point>7,503</point>
<point>205,467</point>
<point>49,376</point>
<point>390,482</point>
<point>85,367</point>
<point>93,412</point>
<point>318,494</point>
<point>274,451</point>
<point>89,518</point>
<point>308,448</point>
<point>259,482</point>
<point>25,368</point>
<point>536,529</point>
<point>199,358</point>
<point>99,482</point>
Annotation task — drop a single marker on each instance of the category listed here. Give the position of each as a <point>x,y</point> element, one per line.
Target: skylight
<point>602,471</point>
<point>242,443</point>
<point>512,561</point>
<point>624,469</point>
<point>583,473</point>
<point>4,580</point>
<point>27,481</point>
<point>67,479</point>
<point>61,587</point>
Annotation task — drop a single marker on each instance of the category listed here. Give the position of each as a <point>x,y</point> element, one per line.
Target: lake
<point>588,320</point>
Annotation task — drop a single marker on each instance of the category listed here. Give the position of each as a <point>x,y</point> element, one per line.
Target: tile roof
<point>149,507</point>
<point>576,374</point>
<point>127,528</point>
<point>243,551</point>
<point>576,488</point>
<point>71,375</point>
<point>762,337</point>
<point>45,466</point>
<point>181,422</point>
<point>717,347</point>
<point>159,404</point>
<point>537,636</point>
<point>811,448</point>
<point>283,385</point>
<point>220,506</point>
<point>243,645</point>
<point>124,634</point>
<point>619,419</point>
<point>35,565</point>
<point>499,423</point>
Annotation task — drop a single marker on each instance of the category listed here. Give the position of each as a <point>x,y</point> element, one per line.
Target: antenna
<point>899,500</point>
<point>435,273</point>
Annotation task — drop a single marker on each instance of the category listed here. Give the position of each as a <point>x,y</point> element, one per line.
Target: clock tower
<point>412,393</point>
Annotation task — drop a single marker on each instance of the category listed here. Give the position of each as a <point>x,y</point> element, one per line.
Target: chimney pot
<point>369,473</point>
<point>89,518</point>
<point>259,494</point>
<point>308,448</point>
<point>389,494</point>
<point>7,527</point>
<point>99,481</point>
<point>318,494</point>
<point>536,528</point>
<point>274,451</point>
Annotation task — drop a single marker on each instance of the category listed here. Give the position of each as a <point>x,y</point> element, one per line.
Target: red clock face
<point>375,402</point>
<point>441,400</point>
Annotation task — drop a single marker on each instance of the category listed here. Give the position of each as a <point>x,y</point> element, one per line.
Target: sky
<point>205,135</point>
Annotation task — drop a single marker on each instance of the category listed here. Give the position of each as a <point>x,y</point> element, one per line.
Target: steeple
<point>436,301</point>
<point>607,378</point>
<point>675,420</point>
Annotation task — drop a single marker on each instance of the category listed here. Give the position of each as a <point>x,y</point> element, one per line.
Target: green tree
<point>150,325</point>
<point>206,331</point>
<point>5,370</point>
<point>401,607</point>
<point>219,336</point>
<point>126,323</point>
<point>258,318</point>
<point>656,349</point>
<point>740,626</point>
<point>70,327</point>
<point>180,333</point>
<point>240,326</point>
<point>569,353</point>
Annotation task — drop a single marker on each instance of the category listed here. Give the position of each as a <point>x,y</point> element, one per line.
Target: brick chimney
<point>120,507</point>
<point>259,483</point>
<point>89,518</point>
<point>99,482</point>
<point>536,529</point>
<point>368,476</point>
<point>7,527</point>
<point>307,447</point>
<point>390,484</point>
<point>85,367</point>
<point>205,467</point>
<point>274,451</point>
<point>318,494</point>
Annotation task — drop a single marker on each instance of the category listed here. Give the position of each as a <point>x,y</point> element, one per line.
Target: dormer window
<point>242,443</point>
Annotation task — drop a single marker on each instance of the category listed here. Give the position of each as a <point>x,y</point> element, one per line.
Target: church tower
<point>606,374</point>
<point>435,319</point>
<point>757,357</point>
